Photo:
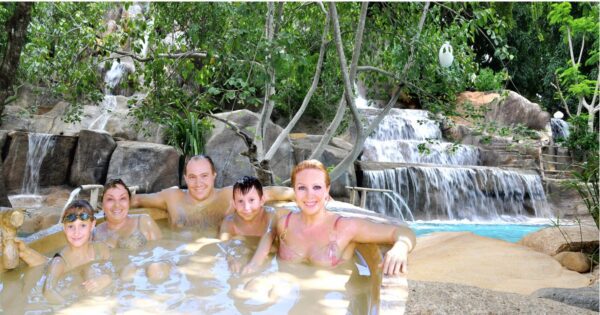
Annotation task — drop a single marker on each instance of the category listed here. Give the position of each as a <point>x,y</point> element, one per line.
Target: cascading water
<point>109,104</point>
<point>38,146</point>
<point>433,179</point>
<point>457,193</point>
<point>560,129</point>
<point>410,136</point>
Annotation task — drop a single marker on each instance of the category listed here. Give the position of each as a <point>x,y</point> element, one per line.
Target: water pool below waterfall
<point>510,232</point>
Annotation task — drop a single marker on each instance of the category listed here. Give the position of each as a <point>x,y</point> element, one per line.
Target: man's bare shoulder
<point>171,192</point>
<point>225,191</point>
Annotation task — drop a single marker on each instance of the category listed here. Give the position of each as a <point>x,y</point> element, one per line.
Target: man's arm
<point>156,200</point>
<point>278,193</point>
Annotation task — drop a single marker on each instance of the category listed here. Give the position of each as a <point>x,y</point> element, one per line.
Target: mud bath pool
<point>200,282</point>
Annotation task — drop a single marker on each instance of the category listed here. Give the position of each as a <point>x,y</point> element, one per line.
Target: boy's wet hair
<point>77,207</point>
<point>245,184</point>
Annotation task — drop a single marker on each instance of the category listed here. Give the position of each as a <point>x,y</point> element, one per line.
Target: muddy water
<point>199,283</point>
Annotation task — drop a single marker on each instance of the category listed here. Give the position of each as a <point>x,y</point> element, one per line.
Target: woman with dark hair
<point>122,230</point>
<point>127,231</point>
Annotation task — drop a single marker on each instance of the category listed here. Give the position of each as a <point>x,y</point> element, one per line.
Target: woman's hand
<point>395,260</point>
<point>96,285</point>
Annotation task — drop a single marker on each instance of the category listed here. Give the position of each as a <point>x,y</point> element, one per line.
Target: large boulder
<point>112,115</point>
<point>586,297</point>
<point>334,153</point>
<point>224,146</point>
<point>54,167</point>
<point>505,111</point>
<point>564,201</point>
<point>92,156</point>
<point>150,166</point>
<point>553,240</point>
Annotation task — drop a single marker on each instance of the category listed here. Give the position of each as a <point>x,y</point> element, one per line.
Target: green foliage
<point>61,39</point>
<point>582,142</point>
<point>578,27</point>
<point>487,80</point>
<point>187,132</point>
<point>586,183</point>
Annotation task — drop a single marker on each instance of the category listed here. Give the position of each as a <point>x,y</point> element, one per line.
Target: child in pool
<point>250,217</point>
<point>78,222</point>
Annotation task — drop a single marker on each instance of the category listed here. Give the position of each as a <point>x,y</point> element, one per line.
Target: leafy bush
<point>487,80</point>
<point>582,142</point>
<point>187,132</point>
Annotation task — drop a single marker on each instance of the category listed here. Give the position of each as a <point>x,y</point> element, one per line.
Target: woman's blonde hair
<point>310,164</point>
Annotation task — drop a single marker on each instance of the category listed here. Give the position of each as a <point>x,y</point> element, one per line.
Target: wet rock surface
<point>150,166</point>
<point>224,146</point>
<point>90,163</point>
<point>55,166</point>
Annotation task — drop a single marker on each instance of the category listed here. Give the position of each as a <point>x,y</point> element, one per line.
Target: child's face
<point>78,232</point>
<point>248,205</point>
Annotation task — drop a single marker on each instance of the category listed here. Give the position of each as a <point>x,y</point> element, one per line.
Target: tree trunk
<point>339,114</point>
<point>361,134</point>
<point>16,29</point>
<point>307,98</point>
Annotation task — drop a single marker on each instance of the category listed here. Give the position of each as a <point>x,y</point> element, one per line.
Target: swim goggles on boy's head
<point>74,216</point>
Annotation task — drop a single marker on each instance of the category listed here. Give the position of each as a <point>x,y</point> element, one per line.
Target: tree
<point>581,87</point>
<point>195,59</point>
<point>15,31</point>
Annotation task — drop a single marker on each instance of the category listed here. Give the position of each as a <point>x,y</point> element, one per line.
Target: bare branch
<point>560,95</point>
<point>570,46</point>
<point>581,51</point>
<point>341,109</point>
<point>268,103</point>
<point>596,88</point>
<point>378,70</point>
<point>308,96</point>
<point>360,30</point>
<point>415,39</point>
<point>189,54</point>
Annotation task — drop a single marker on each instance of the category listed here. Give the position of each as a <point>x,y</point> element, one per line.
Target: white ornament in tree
<point>445,55</point>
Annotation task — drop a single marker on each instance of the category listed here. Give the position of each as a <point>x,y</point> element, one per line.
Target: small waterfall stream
<point>437,180</point>
<point>38,145</point>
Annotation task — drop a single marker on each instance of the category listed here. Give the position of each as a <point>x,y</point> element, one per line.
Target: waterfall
<point>433,179</point>
<point>410,136</point>
<point>38,146</point>
<point>560,129</point>
<point>109,104</point>
<point>407,151</point>
<point>115,74</point>
<point>457,193</point>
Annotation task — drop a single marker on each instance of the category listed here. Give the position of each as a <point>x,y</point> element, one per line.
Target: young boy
<point>250,217</point>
